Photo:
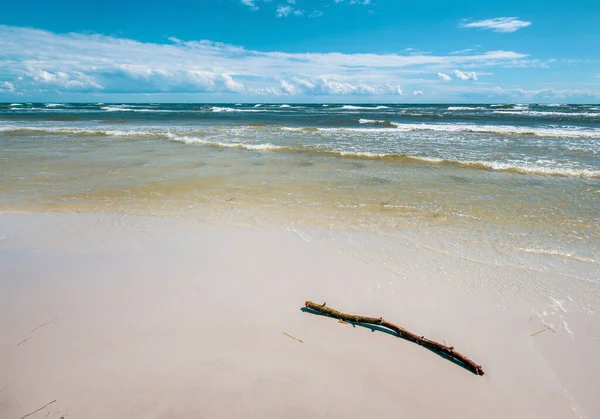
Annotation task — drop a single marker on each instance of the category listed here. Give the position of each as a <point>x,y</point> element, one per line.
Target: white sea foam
<point>208,141</point>
<point>548,113</point>
<point>285,106</point>
<point>54,105</point>
<point>225,109</point>
<point>353,107</point>
<point>549,132</point>
<point>517,167</point>
<point>83,131</point>
<point>465,108</point>
<point>558,253</point>
<point>373,121</point>
<point>16,104</point>
<point>116,108</point>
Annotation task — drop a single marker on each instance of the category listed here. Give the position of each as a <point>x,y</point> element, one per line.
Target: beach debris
<point>44,324</point>
<point>445,351</point>
<point>543,330</point>
<point>41,408</point>
<point>36,328</point>
<point>290,336</point>
<point>24,340</point>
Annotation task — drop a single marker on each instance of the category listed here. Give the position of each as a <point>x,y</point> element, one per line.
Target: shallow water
<point>522,176</point>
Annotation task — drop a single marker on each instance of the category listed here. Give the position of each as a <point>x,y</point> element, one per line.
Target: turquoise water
<point>526,176</point>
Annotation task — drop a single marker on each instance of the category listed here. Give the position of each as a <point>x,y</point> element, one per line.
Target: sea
<point>519,176</point>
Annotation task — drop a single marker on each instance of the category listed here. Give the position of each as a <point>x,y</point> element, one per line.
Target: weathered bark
<point>446,351</point>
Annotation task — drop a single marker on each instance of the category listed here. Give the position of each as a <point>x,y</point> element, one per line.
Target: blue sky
<point>300,51</point>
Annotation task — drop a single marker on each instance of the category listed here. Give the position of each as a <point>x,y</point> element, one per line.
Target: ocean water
<point>519,176</point>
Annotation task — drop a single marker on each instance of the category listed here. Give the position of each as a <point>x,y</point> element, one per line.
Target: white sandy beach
<point>130,316</point>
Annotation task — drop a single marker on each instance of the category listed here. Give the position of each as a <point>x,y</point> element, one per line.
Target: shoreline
<point>169,317</point>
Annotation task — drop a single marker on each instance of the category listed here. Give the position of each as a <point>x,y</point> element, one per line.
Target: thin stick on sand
<point>35,411</point>
<point>446,351</point>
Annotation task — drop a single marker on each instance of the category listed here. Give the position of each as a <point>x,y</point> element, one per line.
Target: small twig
<point>43,407</point>
<point>24,340</point>
<point>42,325</point>
<point>543,330</point>
<point>290,336</point>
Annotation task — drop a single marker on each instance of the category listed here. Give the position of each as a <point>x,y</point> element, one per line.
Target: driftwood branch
<point>446,351</point>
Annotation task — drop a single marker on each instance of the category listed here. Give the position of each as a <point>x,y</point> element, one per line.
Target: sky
<point>357,51</point>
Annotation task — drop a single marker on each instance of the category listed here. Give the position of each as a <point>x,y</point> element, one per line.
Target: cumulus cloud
<point>468,75</point>
<point>498,24</point>
<point>444,77</point>
<point>34,61</point>
<point>334,87</point>
<point>417,93</point>
<point>250,3</point>
<point>8,86</point>
<point>537,95</point>
<point>283,11</point>
<point>363,2</point>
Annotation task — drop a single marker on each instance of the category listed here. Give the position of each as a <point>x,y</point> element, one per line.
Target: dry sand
<point>147,317</point>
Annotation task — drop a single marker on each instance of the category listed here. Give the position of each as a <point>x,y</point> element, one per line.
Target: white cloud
<point>539,95</point>
<point>323,86</point>
<point>283,11</point>
<point>8,86</point>
<point>316,13</point>
<point>498,24</point>
<point>444,77</point>
<point>463,51</point>
<point>468,75</point>
<point>362,2</point>
<point>35,61</point>
<point>417,93</point>
<point>288,88</point>
<point>250,3</point>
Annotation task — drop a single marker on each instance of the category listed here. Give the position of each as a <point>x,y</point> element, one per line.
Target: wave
<point>377,122</point>
<point>16,104</point>
<point>206,141</point>
<point>132,108</point>
<point>82,131</point>
<point>546,132</point>
<point>558,253</point>
<point>548,113</point>
<point>353,107</point>
<point>225,109</point>
<point>116,108</point>
<point>466,108</point>
<point>54,105</point>
<point>321,150</point>
<point>285,106</point>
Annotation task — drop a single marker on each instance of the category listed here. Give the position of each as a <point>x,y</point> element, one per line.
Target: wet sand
<point>154,317</point>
